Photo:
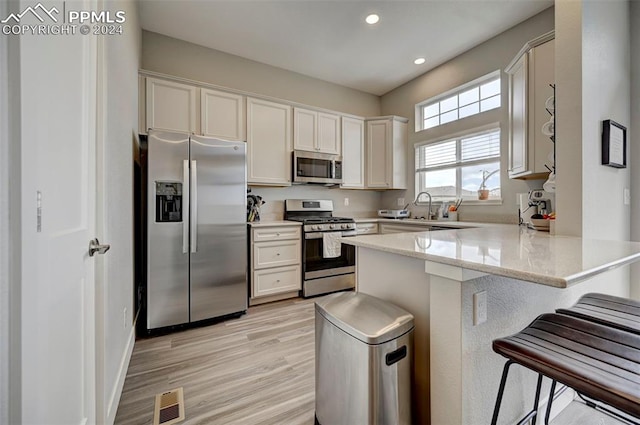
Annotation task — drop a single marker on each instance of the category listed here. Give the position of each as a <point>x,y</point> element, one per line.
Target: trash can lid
<point>367,318</point>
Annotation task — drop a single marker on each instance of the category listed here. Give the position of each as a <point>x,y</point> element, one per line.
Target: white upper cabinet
<point>329,134</point>
<point>268,143</point>
<point>171,106</point>
<point>353,153</point>
<point>387,153</point>
<point>222,115</point>
<point>316,131</point>
<point>531,74</point>
<point>305,130</point>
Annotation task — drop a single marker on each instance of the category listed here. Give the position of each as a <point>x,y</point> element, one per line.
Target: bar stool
<point>617,312</point>
<point>602,362</point>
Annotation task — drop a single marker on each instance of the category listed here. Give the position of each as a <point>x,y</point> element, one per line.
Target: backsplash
<point>362,203</point>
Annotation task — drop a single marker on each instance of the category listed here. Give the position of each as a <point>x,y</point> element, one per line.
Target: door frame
<point>10,227</point>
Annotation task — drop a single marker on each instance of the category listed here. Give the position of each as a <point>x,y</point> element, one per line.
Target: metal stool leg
<point>503,381</point>
<point>550,402</point>
<point>533,414</point>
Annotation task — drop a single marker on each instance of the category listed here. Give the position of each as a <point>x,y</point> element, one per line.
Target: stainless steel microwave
<point>313,167</point>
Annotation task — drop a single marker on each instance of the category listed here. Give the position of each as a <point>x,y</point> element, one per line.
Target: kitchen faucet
<point>416,202</point>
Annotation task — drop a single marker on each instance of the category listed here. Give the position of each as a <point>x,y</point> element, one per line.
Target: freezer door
<point>218,228</point>
<point>168,225</point>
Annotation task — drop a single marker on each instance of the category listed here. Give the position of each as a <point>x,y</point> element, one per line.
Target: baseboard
<point>116,392</point>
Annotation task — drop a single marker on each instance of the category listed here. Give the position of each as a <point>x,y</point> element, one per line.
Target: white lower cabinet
<point>367,228</point>
<point>386,228</point>
<point>276,263</point>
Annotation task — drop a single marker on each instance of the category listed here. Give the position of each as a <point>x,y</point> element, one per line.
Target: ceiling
<point>329,40</point>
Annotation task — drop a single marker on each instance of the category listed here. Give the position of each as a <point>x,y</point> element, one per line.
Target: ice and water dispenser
<point>168,202</point>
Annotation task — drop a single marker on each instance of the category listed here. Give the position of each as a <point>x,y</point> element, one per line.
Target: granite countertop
<point>275,223</point>
<point>510,251</point>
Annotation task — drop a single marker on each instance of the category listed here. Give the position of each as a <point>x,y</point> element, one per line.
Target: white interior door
<point>58,109</point>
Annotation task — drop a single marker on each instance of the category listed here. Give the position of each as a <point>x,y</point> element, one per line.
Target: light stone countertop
<point>510,251</point>
<point>276,223</point>
<point>438,223</point>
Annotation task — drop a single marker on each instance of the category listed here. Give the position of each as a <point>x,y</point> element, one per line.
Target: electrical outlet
<point>627,196</point>
<point>346,202</point>
<point>124,318</point>
<point>479,307</point>
<point>401,202</point>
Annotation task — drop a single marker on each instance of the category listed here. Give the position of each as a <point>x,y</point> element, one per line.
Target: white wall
<point>489,56</point>
<point>634,141</point>
<point>180,58</point>
<point>119,111</point>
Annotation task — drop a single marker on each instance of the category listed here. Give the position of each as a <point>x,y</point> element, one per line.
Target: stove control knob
<point>344,226</point>
<point>332,226</point>
<point>316,227</point>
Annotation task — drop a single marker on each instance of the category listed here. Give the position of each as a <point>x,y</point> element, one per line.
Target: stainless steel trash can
<point>364,361</point>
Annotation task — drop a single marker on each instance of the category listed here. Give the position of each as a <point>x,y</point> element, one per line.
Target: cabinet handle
<point>278,281</point>
<point>277,234</point>
<point>278,254</point>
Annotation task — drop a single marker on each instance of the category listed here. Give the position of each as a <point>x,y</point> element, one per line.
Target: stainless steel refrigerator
<point>196,228</point>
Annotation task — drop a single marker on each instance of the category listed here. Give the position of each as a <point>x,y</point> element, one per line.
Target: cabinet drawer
<point>276,280</point>
<point>276,253</point>
<point>386,228</point>
<point>367,228</point>
<point>275,233</point>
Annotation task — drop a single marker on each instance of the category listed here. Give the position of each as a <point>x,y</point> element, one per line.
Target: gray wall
<point>180,58</point>
<point>115,202</point>
<point>362,203</point>
<point>489,56</point>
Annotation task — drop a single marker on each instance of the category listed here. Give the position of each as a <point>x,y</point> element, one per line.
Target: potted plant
<point>483,192</point>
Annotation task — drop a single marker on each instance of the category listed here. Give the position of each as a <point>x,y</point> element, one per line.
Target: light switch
<point>479,307</point>
<point>346,202</point>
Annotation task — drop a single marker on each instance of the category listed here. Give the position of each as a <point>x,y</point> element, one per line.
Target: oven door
<point>316,266</point>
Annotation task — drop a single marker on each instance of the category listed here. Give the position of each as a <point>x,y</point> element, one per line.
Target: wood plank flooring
<point>258,369</point>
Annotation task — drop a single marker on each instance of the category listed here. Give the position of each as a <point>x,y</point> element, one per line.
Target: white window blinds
<point>467,150</point>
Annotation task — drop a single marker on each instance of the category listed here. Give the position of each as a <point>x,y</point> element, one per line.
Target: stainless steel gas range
<point>327,265</point>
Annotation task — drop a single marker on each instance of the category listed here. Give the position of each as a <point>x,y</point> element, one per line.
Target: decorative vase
<point>483,194</point>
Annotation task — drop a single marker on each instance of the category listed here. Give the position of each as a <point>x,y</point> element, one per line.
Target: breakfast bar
<point>467,287</point>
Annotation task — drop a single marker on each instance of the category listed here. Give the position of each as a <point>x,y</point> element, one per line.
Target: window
<point>469,99</point>
<point>456,168</point>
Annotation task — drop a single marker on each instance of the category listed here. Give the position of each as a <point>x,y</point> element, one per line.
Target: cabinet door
<point>268,142</point>
<point>378,155</point>
<point>222,115</point>
<point>353,153</point>
<point>541,75</point>
<point>305,135</point>
<point>518,119</point>
<point>329,140</point>
<point>171,106</point>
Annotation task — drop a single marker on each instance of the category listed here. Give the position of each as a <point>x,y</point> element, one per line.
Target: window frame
<point>420,107</point>
<point>458,165</point>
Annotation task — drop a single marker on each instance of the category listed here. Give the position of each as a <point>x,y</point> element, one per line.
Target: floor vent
<point>169,408</point>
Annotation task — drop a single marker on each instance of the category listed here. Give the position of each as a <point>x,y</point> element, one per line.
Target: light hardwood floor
<point>258,369</point>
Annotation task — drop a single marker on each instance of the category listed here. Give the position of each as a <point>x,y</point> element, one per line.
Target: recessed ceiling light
<point>372,19</point>
<point>419,61</point>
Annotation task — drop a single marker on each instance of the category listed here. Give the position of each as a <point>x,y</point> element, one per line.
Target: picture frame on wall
<point>614,144</point>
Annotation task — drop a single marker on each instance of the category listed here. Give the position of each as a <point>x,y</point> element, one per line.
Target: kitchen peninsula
<point>467,287</point>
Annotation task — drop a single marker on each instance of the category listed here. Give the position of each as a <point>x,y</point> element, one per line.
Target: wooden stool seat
<point>617,312</point>
<point>598,361</point>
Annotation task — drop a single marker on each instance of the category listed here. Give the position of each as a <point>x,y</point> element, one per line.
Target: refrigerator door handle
<point>185,208</point>
<point>194,206</point>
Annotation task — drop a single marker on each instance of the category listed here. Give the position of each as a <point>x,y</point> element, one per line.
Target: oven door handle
<point>318,235</point>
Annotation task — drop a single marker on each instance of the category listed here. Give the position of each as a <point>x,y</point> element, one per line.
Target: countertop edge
<point>280,223</point>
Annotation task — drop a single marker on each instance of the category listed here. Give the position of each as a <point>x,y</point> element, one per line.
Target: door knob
<point>95,247</point>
